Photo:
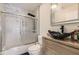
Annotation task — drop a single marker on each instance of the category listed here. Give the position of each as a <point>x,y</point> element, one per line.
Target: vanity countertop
<point>64,42</point>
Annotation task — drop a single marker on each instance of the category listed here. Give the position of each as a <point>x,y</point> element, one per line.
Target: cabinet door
<point>59,49</point>
<point>50,51</point>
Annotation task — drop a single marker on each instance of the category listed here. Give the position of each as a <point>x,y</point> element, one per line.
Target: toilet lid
<point>34,47</point>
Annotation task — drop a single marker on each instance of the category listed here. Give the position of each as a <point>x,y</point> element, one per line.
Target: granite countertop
<point>64,42</point>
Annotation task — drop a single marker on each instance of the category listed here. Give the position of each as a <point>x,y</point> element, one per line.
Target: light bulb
<point>54,6</point>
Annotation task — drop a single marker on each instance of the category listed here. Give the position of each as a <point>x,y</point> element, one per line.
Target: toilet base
<point>26,53</point>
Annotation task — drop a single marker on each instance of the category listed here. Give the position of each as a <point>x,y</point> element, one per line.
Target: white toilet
<point>36,48</point>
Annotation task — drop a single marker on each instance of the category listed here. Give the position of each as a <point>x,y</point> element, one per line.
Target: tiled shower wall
<point>16,27</point>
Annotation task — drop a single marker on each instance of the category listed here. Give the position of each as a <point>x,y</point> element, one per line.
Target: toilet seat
<point>34,49</point>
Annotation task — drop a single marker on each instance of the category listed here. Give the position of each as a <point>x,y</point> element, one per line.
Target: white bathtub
<point>16,50</point>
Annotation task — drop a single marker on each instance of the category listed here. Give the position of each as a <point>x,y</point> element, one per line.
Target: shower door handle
<point>33,31</point>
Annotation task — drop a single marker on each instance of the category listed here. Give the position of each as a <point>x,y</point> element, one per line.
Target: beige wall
<point>44,18</point>
<point>45,21</point>
<point>68,27</point>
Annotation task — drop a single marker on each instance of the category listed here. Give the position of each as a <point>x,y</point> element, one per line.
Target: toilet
<point>36,48</point>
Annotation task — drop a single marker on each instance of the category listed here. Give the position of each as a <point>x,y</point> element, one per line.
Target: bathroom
<point>24,27</point>
<point>18,27</point>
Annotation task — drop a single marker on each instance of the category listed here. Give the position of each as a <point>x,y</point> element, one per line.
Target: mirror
<point>64,13</point>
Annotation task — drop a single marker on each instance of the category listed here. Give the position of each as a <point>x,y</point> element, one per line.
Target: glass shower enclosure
<point>16,30</point>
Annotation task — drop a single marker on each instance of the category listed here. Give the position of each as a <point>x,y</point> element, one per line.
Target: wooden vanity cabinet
<point>51,47</point>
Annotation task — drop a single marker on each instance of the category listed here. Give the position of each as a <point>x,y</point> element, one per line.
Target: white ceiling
<point>27,6</point>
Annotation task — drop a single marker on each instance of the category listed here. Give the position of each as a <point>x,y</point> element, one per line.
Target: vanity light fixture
<point>54,6</point>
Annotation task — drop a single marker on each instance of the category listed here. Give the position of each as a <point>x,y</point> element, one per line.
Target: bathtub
<point>17,50</point>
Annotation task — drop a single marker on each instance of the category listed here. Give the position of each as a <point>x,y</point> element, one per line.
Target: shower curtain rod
<point>17,15</point>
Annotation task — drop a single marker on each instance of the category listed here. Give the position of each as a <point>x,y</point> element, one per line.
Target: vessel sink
<point>58,35</point>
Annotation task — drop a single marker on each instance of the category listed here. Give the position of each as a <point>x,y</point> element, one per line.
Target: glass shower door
<point>18,30</point>
<point>0,35</point>
<point>28,30</point>
<point>12,31</point>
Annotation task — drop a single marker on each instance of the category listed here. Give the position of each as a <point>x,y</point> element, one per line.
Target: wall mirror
<point>64,13</point>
